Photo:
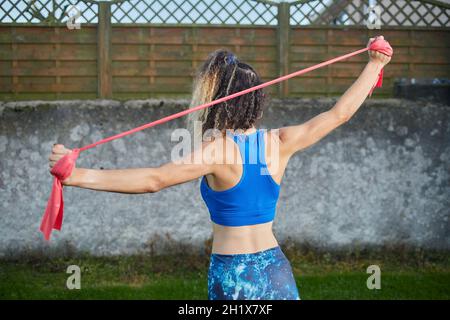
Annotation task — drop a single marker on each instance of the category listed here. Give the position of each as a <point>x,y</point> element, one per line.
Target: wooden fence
<point>132,61</point>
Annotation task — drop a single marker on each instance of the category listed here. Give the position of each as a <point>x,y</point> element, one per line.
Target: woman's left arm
<point>297,137</point>
<point>140,180</point>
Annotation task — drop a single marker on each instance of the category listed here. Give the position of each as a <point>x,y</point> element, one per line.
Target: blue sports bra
<point>254,198</point>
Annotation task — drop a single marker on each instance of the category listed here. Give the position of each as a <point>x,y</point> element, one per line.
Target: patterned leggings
<point>264,275</point>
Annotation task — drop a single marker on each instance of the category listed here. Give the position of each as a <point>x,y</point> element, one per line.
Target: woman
<point>240,192</point>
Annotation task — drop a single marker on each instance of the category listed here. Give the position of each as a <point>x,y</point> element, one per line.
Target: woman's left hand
<point>376,56</point>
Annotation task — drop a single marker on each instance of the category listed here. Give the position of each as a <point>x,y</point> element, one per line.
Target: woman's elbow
<point>154,183</point>
<point>154,186</point>
<point>341,116</point>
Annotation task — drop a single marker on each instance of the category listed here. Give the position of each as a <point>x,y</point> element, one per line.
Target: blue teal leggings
<point>264,275</point>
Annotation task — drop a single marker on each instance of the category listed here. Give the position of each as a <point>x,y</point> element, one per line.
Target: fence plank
<point>45,85</point>
<point>46,52</point>
<point>185,35</point>
<point>40,35</point>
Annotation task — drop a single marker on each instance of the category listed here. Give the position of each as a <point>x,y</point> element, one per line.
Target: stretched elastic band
<point>53,215</point>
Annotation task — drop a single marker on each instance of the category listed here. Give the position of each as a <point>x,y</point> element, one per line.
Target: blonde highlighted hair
<point>219,76</point>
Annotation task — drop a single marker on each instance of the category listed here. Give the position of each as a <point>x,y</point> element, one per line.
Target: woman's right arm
<point>140,180</point>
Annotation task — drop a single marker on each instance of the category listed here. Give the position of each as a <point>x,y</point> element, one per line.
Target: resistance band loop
<point>53,215</point>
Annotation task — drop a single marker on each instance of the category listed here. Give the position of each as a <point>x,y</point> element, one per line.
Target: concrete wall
<point>382,178</point>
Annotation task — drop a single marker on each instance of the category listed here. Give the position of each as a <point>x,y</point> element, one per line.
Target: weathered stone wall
<point>382,178</point>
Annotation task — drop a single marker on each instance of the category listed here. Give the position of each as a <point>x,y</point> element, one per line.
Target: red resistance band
<point>53,215</point>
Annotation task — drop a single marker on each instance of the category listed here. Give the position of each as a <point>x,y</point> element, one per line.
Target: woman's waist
<point>243,239</point>
<point>272,253</point>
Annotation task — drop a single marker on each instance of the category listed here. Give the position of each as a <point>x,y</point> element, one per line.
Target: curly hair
<point>220,75</point>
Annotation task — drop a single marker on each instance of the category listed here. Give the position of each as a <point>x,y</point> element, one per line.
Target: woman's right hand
<point>58,151</point>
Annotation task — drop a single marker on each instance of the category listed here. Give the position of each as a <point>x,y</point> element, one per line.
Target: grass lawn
<point>318,276</point>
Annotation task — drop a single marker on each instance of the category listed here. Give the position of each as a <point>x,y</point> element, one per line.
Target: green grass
<point>394,285</point>
<point>319,275</point>
<point>23,283</point>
